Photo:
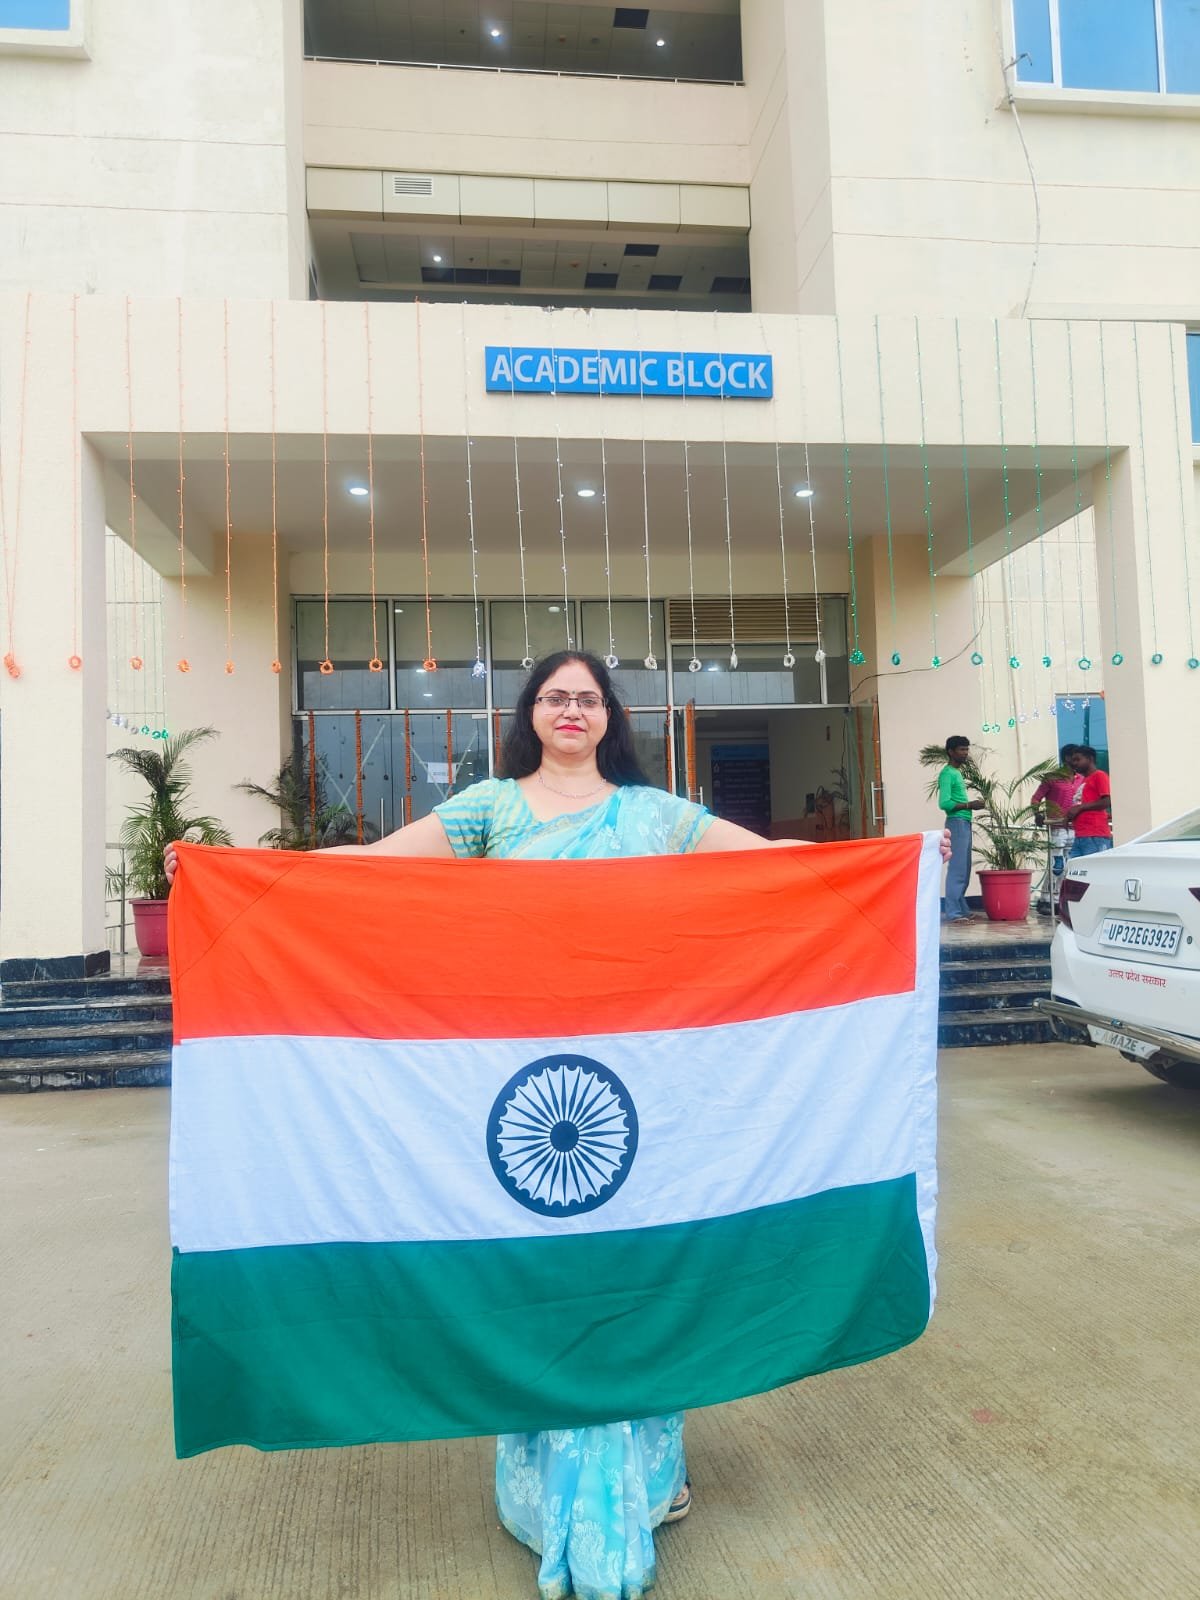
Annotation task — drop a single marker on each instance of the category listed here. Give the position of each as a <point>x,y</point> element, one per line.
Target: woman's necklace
<point>566,794</point>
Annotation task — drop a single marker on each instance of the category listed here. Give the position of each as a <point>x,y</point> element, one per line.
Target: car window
<point>1183,829</point>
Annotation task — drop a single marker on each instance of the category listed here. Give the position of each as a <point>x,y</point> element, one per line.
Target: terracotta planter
<point>1006,895</point>
<point>150,926</point>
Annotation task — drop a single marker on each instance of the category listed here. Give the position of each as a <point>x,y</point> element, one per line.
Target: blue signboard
<point>541,369</point>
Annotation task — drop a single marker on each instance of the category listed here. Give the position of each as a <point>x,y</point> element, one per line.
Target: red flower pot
<point>150,926</point>
<point>1005,894</point>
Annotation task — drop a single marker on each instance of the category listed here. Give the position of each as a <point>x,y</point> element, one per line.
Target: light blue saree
<point>585,1499</point>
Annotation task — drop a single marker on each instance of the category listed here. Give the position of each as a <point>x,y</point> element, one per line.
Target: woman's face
<point>570,730</point>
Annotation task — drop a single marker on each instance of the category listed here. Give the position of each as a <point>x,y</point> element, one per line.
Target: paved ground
<point>1040,1442</point>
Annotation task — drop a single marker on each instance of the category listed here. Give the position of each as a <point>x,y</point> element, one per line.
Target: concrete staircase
<point>988,990</point>
<point>86,1033</point>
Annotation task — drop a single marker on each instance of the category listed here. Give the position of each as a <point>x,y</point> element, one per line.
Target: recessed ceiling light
<point>437,259</point>
<point>428,694</point>
<point>660,43</point>
<point>804,492</point>
<point>553,608</point>
<point>496,33</point>
<point>359,489</point>
<point>586,494</point>
<point>714,669</point>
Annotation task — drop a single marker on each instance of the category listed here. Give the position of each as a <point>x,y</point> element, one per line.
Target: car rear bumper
<point>1071,1022</point>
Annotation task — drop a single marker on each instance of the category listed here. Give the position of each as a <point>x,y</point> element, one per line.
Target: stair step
<point>83,1039</point>
<point>51,1013</point>
<point>72,990</point>
<point>959,974</point>
<point>991,997</point>
<point>1016,1025</point>
<point>1008,950</point>
<point>126,1069</point>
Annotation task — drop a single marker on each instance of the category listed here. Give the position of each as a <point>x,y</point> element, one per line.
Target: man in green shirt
<point>958,806</point>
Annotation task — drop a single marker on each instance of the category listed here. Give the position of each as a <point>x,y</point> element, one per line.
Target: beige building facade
<point>254,259</point>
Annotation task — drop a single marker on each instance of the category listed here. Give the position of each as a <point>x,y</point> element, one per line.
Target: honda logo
<point>1133,888</point>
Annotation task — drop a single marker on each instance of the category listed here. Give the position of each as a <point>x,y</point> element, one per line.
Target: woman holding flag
<point>585,1499</point>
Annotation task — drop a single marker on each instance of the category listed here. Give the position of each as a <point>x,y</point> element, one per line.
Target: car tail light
<point>1073,890</point>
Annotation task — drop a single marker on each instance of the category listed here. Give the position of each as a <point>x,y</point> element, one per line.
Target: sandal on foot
<point>681,1505</point>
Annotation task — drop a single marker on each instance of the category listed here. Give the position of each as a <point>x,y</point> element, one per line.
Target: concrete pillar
<point>918,704</point>
<point>250,705</point>
<point>52,716</point>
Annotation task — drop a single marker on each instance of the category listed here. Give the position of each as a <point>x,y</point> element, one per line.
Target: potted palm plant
<point>308,820</point>
<point>160,820</point>
<point>1008,842</point>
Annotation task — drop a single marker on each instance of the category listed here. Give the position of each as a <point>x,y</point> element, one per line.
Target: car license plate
<point>1121,1041</point>
<point>1128,933</point>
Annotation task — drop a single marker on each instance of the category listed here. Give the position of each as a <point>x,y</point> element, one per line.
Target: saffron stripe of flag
<point>408,1233</point>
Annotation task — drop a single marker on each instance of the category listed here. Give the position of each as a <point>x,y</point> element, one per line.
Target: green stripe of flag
<point>338,1344</point>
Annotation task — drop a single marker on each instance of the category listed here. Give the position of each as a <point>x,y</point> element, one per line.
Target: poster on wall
<point>741,785</point>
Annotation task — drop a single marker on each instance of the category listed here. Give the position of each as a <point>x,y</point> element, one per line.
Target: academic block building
<point>823,364</point>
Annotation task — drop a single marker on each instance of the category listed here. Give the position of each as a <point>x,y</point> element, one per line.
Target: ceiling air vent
<point>411,183</point>
<point>722,285</point>
<point>668,281</point>
<point>757,620</point>
<point>600,280</point>
<point>631,16</point>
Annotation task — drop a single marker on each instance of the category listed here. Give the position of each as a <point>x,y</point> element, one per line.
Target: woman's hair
<point>616,758</point>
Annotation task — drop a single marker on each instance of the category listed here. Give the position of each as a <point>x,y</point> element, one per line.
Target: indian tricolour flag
<point>489,1146</point>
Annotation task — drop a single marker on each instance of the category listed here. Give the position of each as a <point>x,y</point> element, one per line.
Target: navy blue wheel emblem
<point>562,1135</point>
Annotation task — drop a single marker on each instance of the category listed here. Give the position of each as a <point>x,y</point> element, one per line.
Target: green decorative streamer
<point>976,627</point>
<point>935,659</point>
<point>1041,519</point>
<point>857,658</point>
<point>1193,660</point>
<point>1156,658</point>
<point>1085,660</point>
<point>887,495</point>
<point>1117,657</point>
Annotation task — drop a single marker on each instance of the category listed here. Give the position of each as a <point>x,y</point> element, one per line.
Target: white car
<point>1125,962</point>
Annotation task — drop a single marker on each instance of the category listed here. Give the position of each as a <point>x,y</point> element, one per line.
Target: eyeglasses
<point>556,700</point>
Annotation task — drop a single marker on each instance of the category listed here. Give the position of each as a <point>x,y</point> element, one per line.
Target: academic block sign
<point>534,369</point>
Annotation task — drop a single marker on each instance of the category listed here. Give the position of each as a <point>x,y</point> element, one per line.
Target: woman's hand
<point>947,848</point>
<point>170,864</point>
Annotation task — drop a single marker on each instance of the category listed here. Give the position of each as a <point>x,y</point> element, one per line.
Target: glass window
<point>452,629</point>
<point>1108,44</point>
<point>760,678</point>
<point>635,683</point>
<point>1031,19</point>
<point>1181,45</point>
<point>1184,830</point>
<point>1193,362</point>
<point>351,685</point>
<point>549,626</point>
<point>650,737</point>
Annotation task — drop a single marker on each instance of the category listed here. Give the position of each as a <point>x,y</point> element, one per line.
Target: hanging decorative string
<point>1193,660</point>
<point>430,662</point>
<point>1010,636</point>
<point>12,557</point>
<point>1118,657</point>
<point>75,660</point>
<point>562,511</point>
<point>733,654</point>
<point>1040,510</point>
<point>312,779</point>
<point>276,663</point>
<point>135,660</point>
<point>527,658</point>
<point>228,516</point>
<point>183,664</point>
<point>976,624</point>
<point>611,660</point>
<point>358,778</point>
<point>694,664</point>
<point>935,660</point>
<point>989,600</point>
<point>887,495</point>
<point>326,663</point>
<point>650,662</point>
<point>1156,657</point>
<point>857,658</point>
<point>819,652</point>
<point>1084,661</point>
<point>789,659</point>
<point>449,753</point>
<point>375,664</point>
<point>478,667</point>
<point>408,768</point>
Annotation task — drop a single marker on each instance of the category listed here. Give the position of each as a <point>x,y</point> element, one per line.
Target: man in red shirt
<point>1090,815</point>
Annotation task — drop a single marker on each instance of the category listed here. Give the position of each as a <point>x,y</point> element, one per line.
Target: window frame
<point>1025,85</point>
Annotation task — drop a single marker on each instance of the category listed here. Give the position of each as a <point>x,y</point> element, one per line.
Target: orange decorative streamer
<point>358,776</point>
<point>408,770</point>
